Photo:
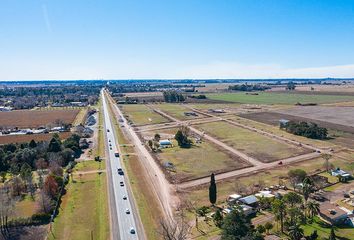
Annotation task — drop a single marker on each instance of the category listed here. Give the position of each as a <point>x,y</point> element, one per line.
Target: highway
<point>121,198</point>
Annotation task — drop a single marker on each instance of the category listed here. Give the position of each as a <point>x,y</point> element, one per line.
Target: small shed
<point>165,143</point>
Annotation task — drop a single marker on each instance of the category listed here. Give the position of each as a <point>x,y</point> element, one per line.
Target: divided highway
<point>122,213</point>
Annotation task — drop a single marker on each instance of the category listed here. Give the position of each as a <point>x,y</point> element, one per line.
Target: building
<point>250,200</point>
<point>340,173</point>
<point>264,194</point>
<point>165,143</point>
<point>233,198</point>
<point>332,213</point>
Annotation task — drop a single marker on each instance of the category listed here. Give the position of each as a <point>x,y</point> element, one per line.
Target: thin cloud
<point>46,18</point>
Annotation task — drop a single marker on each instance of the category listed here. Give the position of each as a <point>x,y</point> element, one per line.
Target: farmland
<point>36,118</point>
<point>253,144</point>
<point>198,161</point>
<point>140,114</point>
<point>278,98</point>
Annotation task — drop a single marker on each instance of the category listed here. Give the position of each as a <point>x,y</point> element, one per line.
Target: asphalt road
<point>126,221</point>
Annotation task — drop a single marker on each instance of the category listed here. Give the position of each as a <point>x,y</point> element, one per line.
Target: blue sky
<point>85,39</point>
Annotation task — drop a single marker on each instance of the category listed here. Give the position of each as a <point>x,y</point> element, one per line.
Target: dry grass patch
<point>142,115</point>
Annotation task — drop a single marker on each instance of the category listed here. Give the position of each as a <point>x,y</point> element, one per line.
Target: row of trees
<point>249,88</point>
<point>309,130</point>
<point>173,96</point>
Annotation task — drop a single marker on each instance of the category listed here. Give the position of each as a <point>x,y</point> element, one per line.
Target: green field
<point>200,160</point>
<point>84,209</point>
<point>177,111</point>
<point>142,115</point>
<point>253,144</point>
<point>278,98</point>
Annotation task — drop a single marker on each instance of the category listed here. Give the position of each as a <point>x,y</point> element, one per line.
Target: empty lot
<point>140,114</point>
<point>177,111</point>
<point>36,118</point>
<point>263,148</point>
<point>200,160</point>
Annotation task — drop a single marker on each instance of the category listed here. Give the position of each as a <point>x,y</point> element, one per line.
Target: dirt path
<point>161,187</point>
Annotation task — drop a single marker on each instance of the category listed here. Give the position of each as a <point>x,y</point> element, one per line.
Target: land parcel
<point>263,148</point>
<point>179,111</point>
<point>140,114</point>
<point>200,160</point>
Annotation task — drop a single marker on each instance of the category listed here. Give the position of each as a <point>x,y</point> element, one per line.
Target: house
<point>264,194</point>
<point>332,214</point>
<point>247,210</point>
<point>165,143</point>
<point>283,122</point>
<point>340,173</point>
<point>250,200</point>
<point>233,198</point>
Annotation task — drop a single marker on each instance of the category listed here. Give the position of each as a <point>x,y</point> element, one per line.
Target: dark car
<point>120,171</point>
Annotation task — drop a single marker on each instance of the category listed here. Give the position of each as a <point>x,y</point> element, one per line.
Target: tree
<point>296,176</point>
<point>326,157</point>
<point>54,145</point>
<point>296,232</point>
<point>313,208</point>
<point>293,199</point>
<point>45,203</point>
<point>151,144</point>
<point>51,187</point>
<point>290,86</point>
<point>212,190</point>
<point>332,235</point>
<point>268,226</point>
<point>157,137</point>
<point>279,210</point>
<point>32,144</point>
<point>313,236</point>
<point>261,229</point>
<point>3,176</point>
<point>182,138</point>
<point>238,226</point>
<point>218,218</point>
<point>174,229</point>
<point>307,186</point>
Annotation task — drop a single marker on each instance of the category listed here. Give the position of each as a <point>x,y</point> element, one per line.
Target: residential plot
<point>140,114</point>
<point>179,111</point>
<point>278,98</point>
<point>36,118</point>
<point>200,160</point>
<point>265,149</point>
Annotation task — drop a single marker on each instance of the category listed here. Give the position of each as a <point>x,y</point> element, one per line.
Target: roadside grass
<point>277,131</point>
<point>89,166</point>
<point>80,117</point>
<point>278,175</point>
<point>200,160</point>
<point>84,210</point>
<point>140,114</point>
<point>323,230</point>
<point>177,111</point>
<point>278,98</point>
<point>251,143</point>
<point>100,149</point>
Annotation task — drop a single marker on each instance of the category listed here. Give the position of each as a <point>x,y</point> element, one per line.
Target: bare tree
<point>6,207</point>
<point>45,204</point>
<point>174,229</point>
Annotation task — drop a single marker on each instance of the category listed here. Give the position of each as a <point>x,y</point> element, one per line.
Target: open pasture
<point>177,111</point>
<point>142,115</point>
<point>36,118</point>
<point>200,160</point>
<point>261,147</point>
<point>278,98</point>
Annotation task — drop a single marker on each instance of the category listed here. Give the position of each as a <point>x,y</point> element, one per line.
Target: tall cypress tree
<point>332,235</point>
<point>212,190</point>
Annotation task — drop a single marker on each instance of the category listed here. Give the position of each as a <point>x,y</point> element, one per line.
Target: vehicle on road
<point>127,211</point>
<point>116,154</point>
<point>280,163</point>
<point>124,197</point>
<point>121,184</point>
<point>132,230</point>
<point>107,130</point>
<point>120,171</point>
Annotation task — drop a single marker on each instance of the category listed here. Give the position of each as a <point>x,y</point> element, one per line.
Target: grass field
<point>269,177</point>
<point>199,160</point>
<point>142,115</point>
<point>80,117</point>
<point>177,111</point>
<point>253,144</point>
<point>5,139</point>
<point>278,98</point>
<point>36,118</point>
<point>84,209</point>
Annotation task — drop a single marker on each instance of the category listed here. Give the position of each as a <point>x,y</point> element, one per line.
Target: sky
<point>172,39</point>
